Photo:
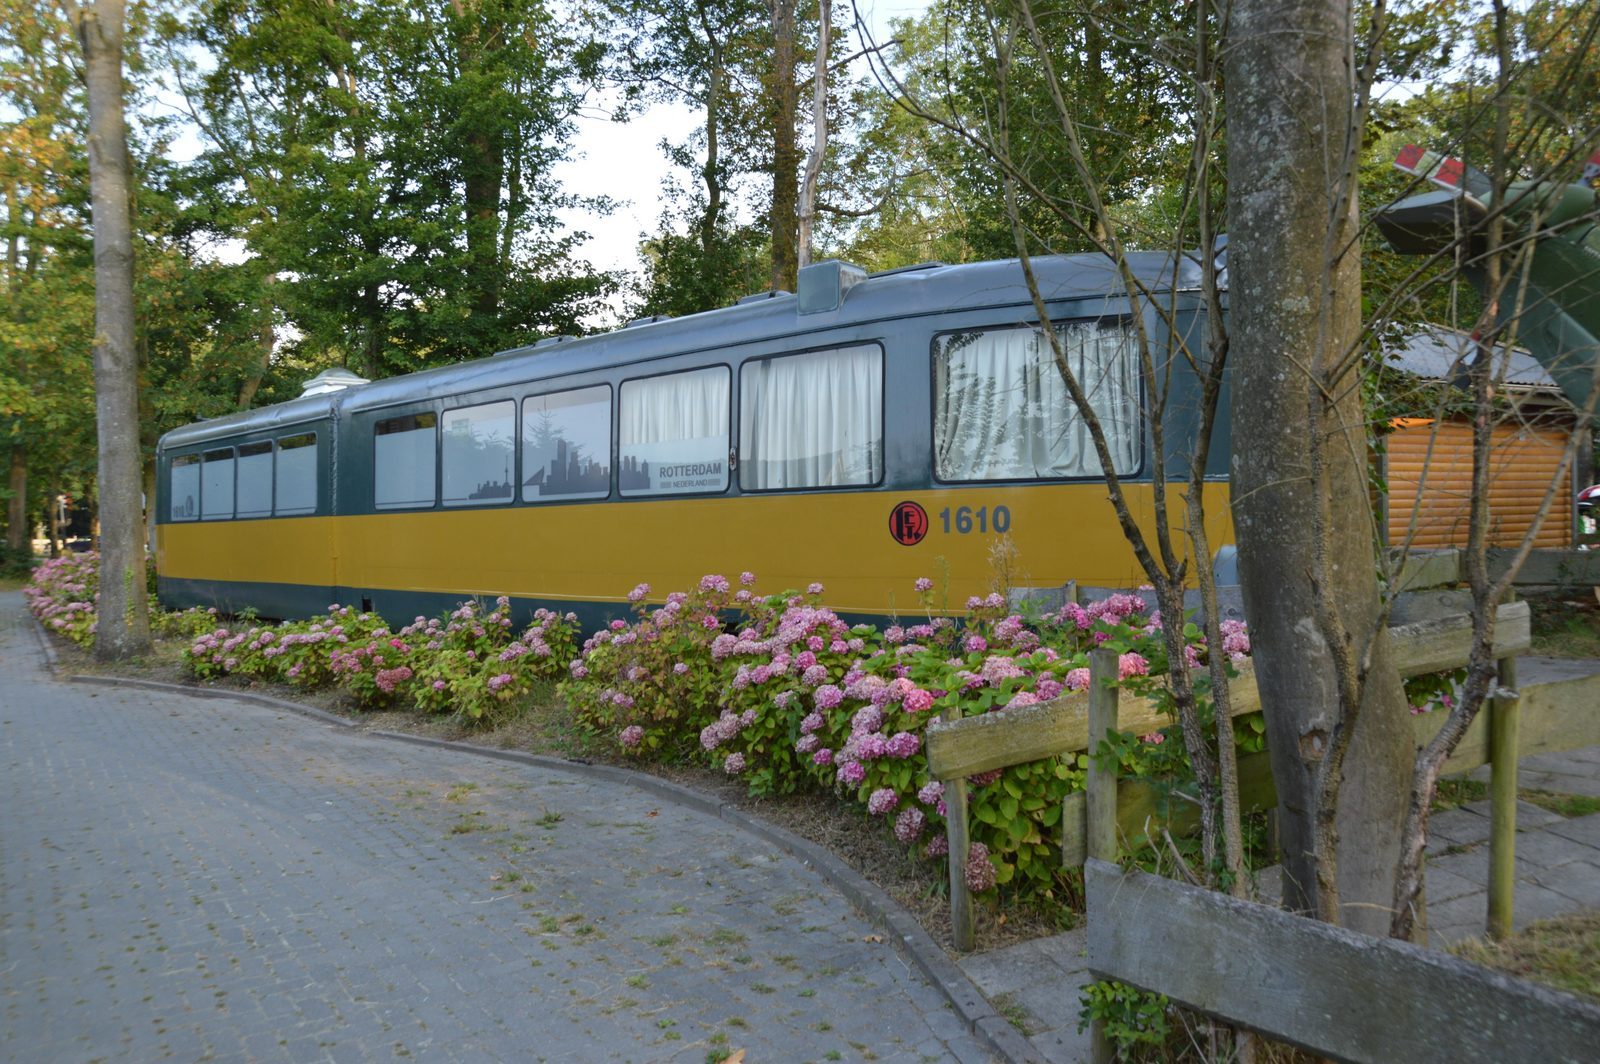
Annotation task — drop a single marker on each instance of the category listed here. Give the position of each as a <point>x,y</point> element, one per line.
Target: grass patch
<point>1567,805</point>
<point>1456,791</point>
<point>1566,627</point>
<point>1563,953</point>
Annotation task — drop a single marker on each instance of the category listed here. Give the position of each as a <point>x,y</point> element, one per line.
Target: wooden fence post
<point>955,826</point>
<point>1503,800</point>
<point>1101,798</point>
<point>1101,788</point>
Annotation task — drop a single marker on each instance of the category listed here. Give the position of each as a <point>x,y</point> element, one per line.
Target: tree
<point>123,625</point>
<point>390,164</point>
<point>1339,727</point>
<point>46,324</point>
<point>702,54</point>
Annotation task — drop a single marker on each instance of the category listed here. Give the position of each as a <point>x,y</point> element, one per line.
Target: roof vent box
<point>823,285</point>
<point>336,379</point>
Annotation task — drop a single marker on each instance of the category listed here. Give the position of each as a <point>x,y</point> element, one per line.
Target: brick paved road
<point>195,879</point>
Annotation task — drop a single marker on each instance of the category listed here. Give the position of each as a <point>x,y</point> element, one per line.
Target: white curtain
<point>812,421</point>
<point>673,433</point>
<point>1002,410</point>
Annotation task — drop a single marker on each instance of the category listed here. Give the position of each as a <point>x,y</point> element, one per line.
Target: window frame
<point>272,481</point>
<point>233,458</point>
<point>616,465</point>
<point>612,445</point>
<point>316,471</point>
<point>379,422</point>
<point>883,418</point>
<point>186,459</point>
<point>1123,321</point>
<point>516,456</point>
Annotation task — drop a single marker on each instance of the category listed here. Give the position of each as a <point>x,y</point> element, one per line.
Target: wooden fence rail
<point>1334,992</point>
<point>959,748</point>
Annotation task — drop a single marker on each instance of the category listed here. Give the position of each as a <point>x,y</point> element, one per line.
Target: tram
<point>861,432</point>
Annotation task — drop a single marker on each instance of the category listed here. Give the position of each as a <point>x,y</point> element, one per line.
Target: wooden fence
<point>1334,992</point>
<point>1111,810</point>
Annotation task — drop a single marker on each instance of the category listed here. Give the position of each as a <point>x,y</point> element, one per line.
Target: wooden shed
<point>1427,456</point>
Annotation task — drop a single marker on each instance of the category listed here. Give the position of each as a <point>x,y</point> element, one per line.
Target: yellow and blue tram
<point>862,432</point>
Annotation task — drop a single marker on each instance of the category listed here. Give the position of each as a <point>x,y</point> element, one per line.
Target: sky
<point>624,162</point>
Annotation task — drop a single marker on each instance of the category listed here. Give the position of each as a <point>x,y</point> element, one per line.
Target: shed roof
<point>1438,352</point>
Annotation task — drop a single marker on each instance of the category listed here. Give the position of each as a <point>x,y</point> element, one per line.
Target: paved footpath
<point>205,879</point>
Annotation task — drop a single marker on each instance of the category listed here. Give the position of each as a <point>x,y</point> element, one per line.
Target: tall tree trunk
<point>123,622</point>
<point>266,339</point>
<point>1338,728</point>
<point>53,523</point>
<point>819,141</point>
<point>18,535</point>
<point>483,171</point>
<point>711,173</point>
<point>785,153</point>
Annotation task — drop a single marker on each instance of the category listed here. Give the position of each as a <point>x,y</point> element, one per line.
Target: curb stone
<point>905,933</point>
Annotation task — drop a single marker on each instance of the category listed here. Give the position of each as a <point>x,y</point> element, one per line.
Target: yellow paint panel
<point>597,552</point>
<point>289,550</point>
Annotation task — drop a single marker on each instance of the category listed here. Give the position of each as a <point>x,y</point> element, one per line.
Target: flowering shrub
<point>62,594</point>
<point>466,662</point>
<point>789,697</point>
<point>657,674</point>
<point>472,663</point>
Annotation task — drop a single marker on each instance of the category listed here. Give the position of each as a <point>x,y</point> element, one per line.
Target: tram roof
<point>917,291</point>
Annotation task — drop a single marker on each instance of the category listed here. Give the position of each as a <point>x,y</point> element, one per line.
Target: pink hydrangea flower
<point>918,701</point>
<point>734,764</point>
<point>1132,664</point>
<point>828,696</point>
<point>980,873</point>
<point>1078,679</point>
<point>923,584</point>
<point>909,825</point>
<point>882,801</point>
<point>903,745</point>
<point>632,736</point>
<point>638,593</point>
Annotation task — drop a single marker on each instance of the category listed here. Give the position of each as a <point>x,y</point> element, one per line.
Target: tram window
<point>673,433</point>
<point>216,484</point>
<point>403,463</point>
<point>255,480</point>
<point>477,453</point>
<point>813,420</point>
<point>566,445</point>
<point>184,487</point>
<point>1001,410</point>
<point>296,480</point>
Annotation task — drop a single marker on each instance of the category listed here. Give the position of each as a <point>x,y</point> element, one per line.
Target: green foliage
<point>1133,1019</point>
<point>391,166</point>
